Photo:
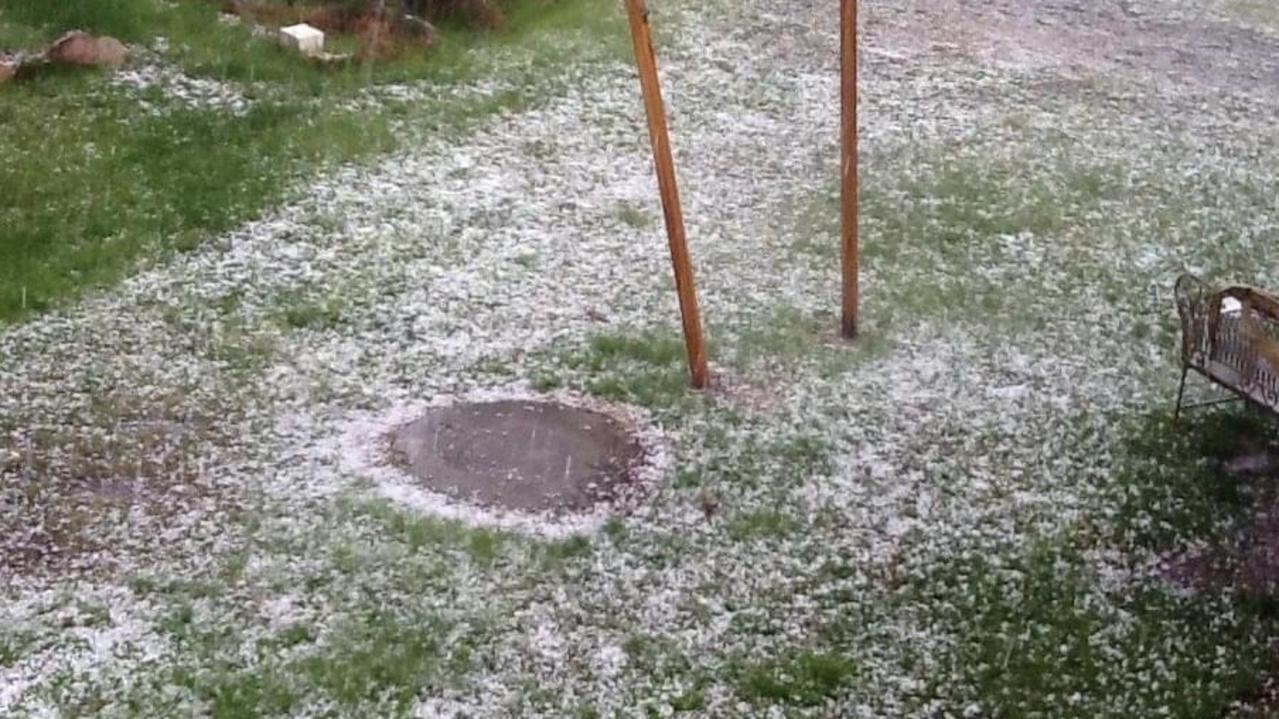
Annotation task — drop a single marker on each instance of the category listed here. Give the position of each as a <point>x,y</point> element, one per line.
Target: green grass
<point>1034,639</point>
<point>377,657</point>
<point>644,368</point>
<point>933,217</point>
<point>690,701</point>
<point>14,645</point>
<point>782,341</point>
<point>299,312</point>
<point>248,694</point>
<point>82,200</point>
<point>128,20</point>
<point>242,348</point>
<point>632,215</point>
<point>91,185</point>
<point>948,203</point>
<point>804,679</point>
<point>363,660</point>
<point>1034,631</point>
<point>425,534</point>
<point>15,35</point>
<point>740,452</point>
<point>1034,642</point>
<point>1257,12</point>
<point>382,658</point>
<point>646,348</point>
<point>557,554</point>
<point>1176,488</point>
<point>762,524</point>
<point>1013,230</point>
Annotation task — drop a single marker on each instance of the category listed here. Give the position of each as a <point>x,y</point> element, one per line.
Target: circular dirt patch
<point>520,455</point>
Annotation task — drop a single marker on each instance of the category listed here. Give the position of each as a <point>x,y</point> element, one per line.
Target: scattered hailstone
<point>915,472</point>
<point>179,89</point>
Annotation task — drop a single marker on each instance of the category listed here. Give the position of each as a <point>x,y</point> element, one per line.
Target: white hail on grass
<point>963,440</point>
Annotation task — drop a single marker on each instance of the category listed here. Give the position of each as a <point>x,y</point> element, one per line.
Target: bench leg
<point>1181,393</point>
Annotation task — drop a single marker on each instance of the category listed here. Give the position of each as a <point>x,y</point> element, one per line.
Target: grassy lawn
<point>96,180</point>
<point>979,509</point>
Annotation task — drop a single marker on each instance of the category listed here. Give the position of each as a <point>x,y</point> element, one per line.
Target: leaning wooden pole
<point>646,60</point>
<point>850,254</point>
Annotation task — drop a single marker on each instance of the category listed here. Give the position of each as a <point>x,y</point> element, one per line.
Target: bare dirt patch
<point>520,455</point>
<point>1083,38</point>
<point>1250,562</point>
<point>129,460</point>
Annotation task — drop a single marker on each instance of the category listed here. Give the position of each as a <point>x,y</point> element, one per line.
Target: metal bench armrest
<point>1258,299</point>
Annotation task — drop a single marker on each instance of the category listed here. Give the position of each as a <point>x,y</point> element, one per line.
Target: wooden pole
<point>850,259</point>
<point>646,60</point>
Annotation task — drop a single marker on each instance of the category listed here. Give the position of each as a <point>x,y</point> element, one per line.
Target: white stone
<point>303,38</point>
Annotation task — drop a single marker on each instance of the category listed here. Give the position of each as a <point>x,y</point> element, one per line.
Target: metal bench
<point>1230,336</point>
